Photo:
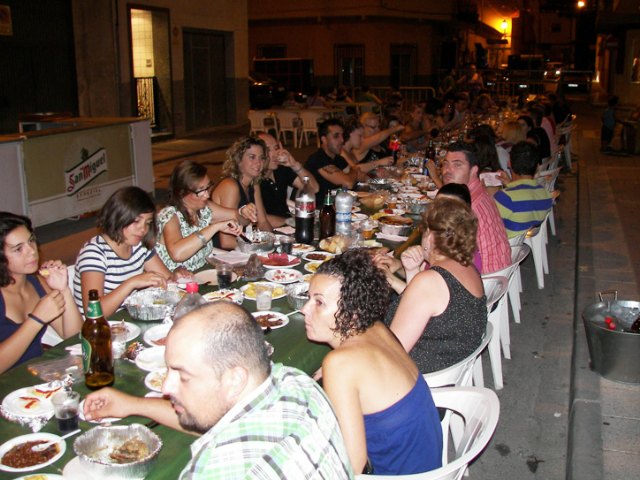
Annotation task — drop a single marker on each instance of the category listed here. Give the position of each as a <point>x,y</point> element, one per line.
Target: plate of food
<point>157,336</point>
<point>271,320</point>
<point>154,379</point>
<point>16,454</point>
<point>131,329</point>
<point>318,256</point>
<point>336,244</point>
<point>279,260</point>
<point>283,275</point>
<point>358,217</point>
<point>151,359</point>
<point>249,290</point>
<point>299,248</point>
<point>30,401</point>
<point>312,267</point>
<point>232,294</point>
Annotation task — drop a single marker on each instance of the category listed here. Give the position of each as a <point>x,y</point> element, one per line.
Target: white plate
<point>299,248</point>
<point>41,476</point>
<point>358,217</point>
<point>32,437</point>
<point>309,257</point>
<point>371,243</point>
<point>101,421</point>
<point>75,470</point>
<point>132,329</point>
<point>277,315</point>
<point>293,261</point>
<point>355,209</point>
<point>151,359</point>
<point>154,380</point>
<point>232,294</point>
<point>311,267</point>
<point>391,211</point>
<point>283,275</point>
<point>156,333</point>
<point>40,404</point>
<point>249,290</point>
<point>211,276</point>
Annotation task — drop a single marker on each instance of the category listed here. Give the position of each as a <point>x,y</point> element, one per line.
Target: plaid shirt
<point>286,429</point>
<point>492,237</point>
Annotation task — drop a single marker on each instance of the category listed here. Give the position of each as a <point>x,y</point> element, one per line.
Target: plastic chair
<point>512,273</point>
<point>262,121</point>
<point>548,180</point>
<point>287,122</point>
<point>495,288</point>
<point>480,410</point>
<point>309,125</point>
<point>537,241</point>
<point>50,336</point>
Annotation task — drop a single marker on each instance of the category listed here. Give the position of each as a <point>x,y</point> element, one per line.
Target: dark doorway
<point>403,64</point>
<point>204,79</point>
<point>349,65</point>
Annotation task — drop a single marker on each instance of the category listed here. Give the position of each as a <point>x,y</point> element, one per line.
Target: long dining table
<point>290,344</point>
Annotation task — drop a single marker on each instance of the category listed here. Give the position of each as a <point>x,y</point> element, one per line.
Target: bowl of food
<point>298,295</point>
<point>395,225</point>
<point>118,452</point>
<point>152,304</point>
<point>261,242</point>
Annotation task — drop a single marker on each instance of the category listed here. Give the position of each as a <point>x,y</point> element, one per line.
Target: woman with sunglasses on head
<point>32,296</point>
<point>243,169</point>
<point>188,226</point>
<point>121,258</point>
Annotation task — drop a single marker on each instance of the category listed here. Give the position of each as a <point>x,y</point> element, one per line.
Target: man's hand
<point>108,402</point>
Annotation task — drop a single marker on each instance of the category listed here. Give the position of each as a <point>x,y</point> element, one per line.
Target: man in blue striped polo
<point>523,203</point>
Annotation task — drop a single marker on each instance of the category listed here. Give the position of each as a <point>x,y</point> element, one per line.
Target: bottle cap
<point>192,287</point>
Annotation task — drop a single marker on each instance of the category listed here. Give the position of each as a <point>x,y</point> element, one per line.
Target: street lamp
<point>504,26</point>
<point>581,4</point>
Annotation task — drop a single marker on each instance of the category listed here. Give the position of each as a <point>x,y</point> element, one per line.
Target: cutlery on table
<point>43,446</point>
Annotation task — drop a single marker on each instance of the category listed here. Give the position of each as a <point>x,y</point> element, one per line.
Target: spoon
<point>43,446</point>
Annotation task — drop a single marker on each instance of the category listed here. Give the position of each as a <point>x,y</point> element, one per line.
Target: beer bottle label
<point>94,310</point>
<point>86,354</point>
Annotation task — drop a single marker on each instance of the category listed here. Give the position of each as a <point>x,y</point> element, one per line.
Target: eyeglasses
<point>200,191</point>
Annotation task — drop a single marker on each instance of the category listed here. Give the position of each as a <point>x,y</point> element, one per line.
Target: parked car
<point>553,70</point>
<point>575,82</point>
<point>264,92</point>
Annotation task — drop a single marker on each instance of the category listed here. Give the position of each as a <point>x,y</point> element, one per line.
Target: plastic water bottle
<point>344,203</point>
<point>191,301</point>
<point>305,213</point>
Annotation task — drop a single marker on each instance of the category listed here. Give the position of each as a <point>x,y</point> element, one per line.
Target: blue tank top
<point>406,437</point>
<point>8,327</point>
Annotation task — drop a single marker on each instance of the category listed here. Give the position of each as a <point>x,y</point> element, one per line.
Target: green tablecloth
<point>291,347</point>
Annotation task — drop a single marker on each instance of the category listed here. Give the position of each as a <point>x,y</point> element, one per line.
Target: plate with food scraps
<point>271,320</point>
<point>151,359</point>
<point>232,294</point>
<point>99,421</point>
<point>30,401</point>
<point>299,248</point>
<point>389,211</point>
<point>16,454</point>
<point>132,329</point>
<point>355,209</point>
<point>154,380</point>
<point>283,275</point>
<point>311,267</point>
<point>157,336</point>
<point>279,260</point>
<point>318,256</point>
<point>249,290</point>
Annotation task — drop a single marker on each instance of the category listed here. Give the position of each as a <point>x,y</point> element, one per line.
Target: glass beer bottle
<point>96,346</point>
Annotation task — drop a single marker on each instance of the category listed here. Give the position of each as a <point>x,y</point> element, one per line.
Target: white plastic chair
<point>548,180</point>
<point>537,241</point>
<point>50,336</point>
<point>288,122</point>
<point>480,410</point>
<point>495,288</point>
<point>262,121</point>
<point>309,125</point>
<point>566,129</point>
<point>512,273</point>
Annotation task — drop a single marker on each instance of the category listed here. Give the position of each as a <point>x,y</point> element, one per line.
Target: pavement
<point>559,419</point>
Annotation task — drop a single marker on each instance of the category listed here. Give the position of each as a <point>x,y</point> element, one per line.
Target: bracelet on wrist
<point>240,210</point>
<point>202,238</point>
<point>38,319</point>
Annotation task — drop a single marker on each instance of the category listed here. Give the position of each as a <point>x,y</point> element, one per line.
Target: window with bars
<point>349,65</point>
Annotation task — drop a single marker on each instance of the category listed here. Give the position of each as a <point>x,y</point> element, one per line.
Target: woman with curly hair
<point>442,315</point>
<point>32,296</point>
<point>383,404</point>
<point>243,170</point>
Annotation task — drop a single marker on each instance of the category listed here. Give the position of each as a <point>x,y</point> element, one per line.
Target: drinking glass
<point>224,275</point>
<point>264,295</point>
<point>65,407</point>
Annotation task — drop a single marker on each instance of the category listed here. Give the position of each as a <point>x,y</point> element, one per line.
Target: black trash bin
<point>614,354</point>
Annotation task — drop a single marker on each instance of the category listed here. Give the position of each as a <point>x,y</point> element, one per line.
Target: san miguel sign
<point>90,167</point>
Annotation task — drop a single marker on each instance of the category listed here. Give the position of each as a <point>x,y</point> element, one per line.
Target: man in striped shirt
<point>257,419</point>
<point>523,203</point>
<point>461,166</point>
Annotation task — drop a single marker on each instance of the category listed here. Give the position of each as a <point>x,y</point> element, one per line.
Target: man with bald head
<point>257,419</point>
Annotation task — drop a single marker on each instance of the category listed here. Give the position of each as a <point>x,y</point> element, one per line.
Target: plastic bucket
<point>614,354</point>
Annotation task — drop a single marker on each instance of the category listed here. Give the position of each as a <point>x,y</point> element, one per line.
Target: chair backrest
<point>517,240</point>
<point>548,178</point>
<point>459,375</point>
<point>495,288</point>
<point>310,120</point>
<point>534,231</point>
<point>480,411</point>
<point>256,119</point>
<point>287,119</point>
<point>519,253</point>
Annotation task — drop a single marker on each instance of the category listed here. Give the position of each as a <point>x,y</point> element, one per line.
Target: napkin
<point>232,258</point>
<point>286,230</point>
<point>74,349</point>
<point>391,238</point>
